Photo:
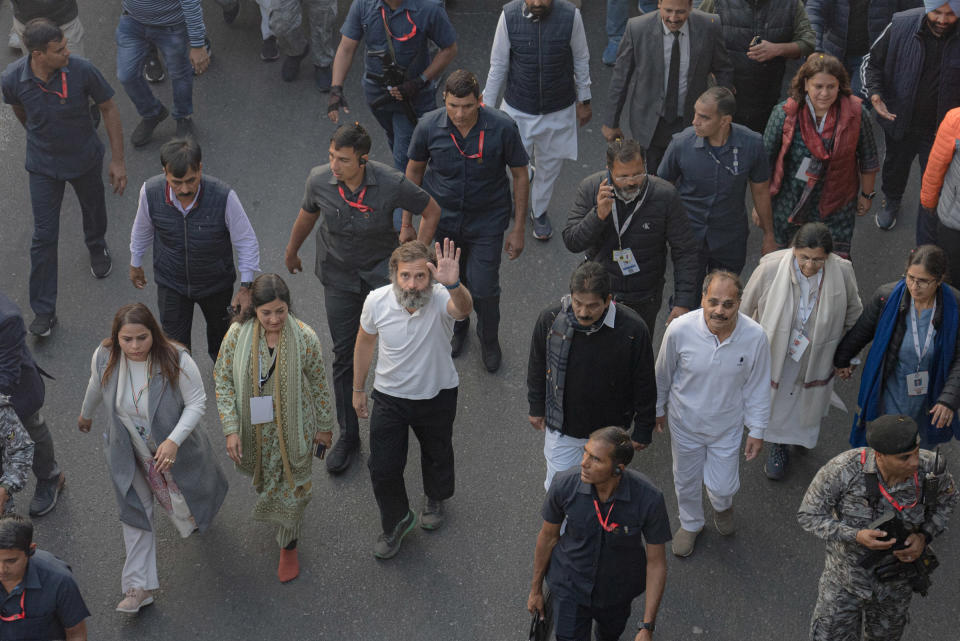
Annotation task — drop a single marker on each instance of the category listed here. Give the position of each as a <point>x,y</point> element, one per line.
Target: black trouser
<point>176,316</point>
<point>916,143</point>
<point>757,98</point>
<point>573,620</point>
<point>647,306</point>
<point>730,257</point>
<point>432,422</point>
<point>662,136</point>
<point>343,319</point>
<point>44,462</point>
<point>949,241</point>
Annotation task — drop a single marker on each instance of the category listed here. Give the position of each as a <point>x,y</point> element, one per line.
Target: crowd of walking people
<point>409,249</point>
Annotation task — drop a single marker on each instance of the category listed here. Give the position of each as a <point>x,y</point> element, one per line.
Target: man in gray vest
<point>591,366</point>
<point>760,35</point>
<point>194,223</point>
<point>540,53</point>
<point>675,50</point>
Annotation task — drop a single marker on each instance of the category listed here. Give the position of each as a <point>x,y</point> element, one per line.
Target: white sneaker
<point>135,599</point>
<point>14,41</point>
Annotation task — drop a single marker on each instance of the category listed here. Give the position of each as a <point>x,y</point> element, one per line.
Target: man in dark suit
<point>676,50</point>
<point>20,380</point>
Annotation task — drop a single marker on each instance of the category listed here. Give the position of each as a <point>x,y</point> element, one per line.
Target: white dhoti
<point>140,567</point>
<point>701,459</point>
<point>549,140</point>
<point>562,452</point>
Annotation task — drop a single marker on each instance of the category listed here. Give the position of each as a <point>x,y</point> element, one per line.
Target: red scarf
<point>842,179</point>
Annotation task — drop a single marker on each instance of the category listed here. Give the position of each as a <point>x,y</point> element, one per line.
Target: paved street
<point>469,581</point>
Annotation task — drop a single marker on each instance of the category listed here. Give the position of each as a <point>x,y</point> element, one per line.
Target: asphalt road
<point>469,580</point>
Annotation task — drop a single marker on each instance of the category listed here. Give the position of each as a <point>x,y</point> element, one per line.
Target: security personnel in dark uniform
<point>870,573</point>
<point>353,198</point>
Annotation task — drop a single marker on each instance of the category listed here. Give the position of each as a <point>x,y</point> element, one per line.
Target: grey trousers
<point>286,22</point>
<point>44,462</point>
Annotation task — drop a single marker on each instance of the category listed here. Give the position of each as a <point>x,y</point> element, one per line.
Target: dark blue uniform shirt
<point>61,140</point>
<point>712,181</point>
<point>52,602</point>
<point>476,187</point>
<point>365,22</point>
<point>595,567</point>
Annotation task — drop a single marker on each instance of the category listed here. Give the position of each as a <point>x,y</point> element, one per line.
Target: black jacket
<point>19,375</point>
<point>862,333</point>
<point>661,223</point>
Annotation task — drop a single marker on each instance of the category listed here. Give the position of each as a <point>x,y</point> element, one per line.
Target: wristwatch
<point>645,626</point>
<point>868,196</point>
<point>246,284</point>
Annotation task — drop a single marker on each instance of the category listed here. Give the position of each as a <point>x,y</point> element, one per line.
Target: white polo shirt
<point>709,387</point>
<point>413,359</point>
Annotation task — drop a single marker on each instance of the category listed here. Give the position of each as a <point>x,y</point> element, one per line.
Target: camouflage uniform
<point>836,506</point>
<point>16,451</point>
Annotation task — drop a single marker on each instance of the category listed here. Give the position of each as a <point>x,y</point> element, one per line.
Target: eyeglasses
<point>633,178</point>
<point>805,260</point>
<point>922,283</point>
<point>17,617</point>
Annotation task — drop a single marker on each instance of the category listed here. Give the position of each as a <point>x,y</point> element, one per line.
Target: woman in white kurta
<point>154,397</point>
<point>806,298</point>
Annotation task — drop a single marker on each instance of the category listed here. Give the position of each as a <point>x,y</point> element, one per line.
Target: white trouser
<point>562,452</point>
<point>701,459</point>
<point>264,19</point>
<point>549,139</point>
<point>140,568</point>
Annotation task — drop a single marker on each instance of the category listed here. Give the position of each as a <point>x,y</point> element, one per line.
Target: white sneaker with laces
<point>135,599</point>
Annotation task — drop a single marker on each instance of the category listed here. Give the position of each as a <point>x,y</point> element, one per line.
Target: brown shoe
<point>683,542</point>
<point>289,566</point>
<point>135,599</point>
<point>724,522</point>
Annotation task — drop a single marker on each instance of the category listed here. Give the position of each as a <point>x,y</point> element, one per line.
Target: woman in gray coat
<point>154,399</point>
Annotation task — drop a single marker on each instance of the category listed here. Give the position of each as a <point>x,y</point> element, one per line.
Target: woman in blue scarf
<point>913,366</point>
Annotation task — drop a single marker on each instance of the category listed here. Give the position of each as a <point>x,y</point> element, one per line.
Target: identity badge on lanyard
<point>799,341</point>
<point>261,407</point>
<point>805,164</point>
<point>624,256</point>
<point>918,382</point>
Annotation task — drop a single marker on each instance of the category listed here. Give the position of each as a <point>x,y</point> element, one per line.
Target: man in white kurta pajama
<point>539,58</point>
<point>713,377</point>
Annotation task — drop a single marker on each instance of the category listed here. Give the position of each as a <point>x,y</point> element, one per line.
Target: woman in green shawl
<point>275,409</point>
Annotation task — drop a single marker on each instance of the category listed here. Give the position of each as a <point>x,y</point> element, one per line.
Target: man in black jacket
<point>625,220</point>
<point>591,366</point>
<point>20,380</point>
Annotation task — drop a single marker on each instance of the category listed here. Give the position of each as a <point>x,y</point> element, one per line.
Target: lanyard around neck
<point>135,396</point>
<point>359,203</point>
<point>616,219</point>
<point>478,155</point>
<point>605,522</point>
<point>63,86</point>
<point>893,502</point>
<point>916,334</point>
<point>404,38</point>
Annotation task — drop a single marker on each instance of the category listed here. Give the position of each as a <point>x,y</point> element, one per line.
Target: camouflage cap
<point>893,434</point>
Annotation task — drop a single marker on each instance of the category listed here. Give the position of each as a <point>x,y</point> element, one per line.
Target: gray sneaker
<point>542,230</point>
<point>388,545</point>
<point>887,217</point>
<point>43,324</point>
<point>432,516</point>
<point>46,494</point>
<point>724,522</point>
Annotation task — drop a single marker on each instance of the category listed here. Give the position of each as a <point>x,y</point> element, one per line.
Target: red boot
<point>289,566</point>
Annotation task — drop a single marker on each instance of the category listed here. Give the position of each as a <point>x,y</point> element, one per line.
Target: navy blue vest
<point>540,79</point>
<point>192,254</point>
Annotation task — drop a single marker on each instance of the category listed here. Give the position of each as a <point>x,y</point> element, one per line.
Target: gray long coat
<point>196,471</point>
<point>639,71</point>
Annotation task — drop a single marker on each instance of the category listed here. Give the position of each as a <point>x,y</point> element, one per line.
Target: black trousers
<point>343,319</point>
<point>730,257</point>
<point>662,136</point>
<point>949,241</point>
<point>44,462</point>
<point>432,423</point>
<point>574,620</point>
<point>176,316</point>
<point>916,143</point>
<point>647,306</point>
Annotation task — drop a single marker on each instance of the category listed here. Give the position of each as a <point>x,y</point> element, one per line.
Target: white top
<point>188,382</point>
<point>684,36</point>
<point>413,358</point>
<point>809,292</point>
<point>500,61</point>
<point>711,387</point>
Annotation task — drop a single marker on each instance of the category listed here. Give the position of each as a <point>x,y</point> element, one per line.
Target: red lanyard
<point>605,523</point>
<point>23,613</point>
<point>63,85</point>
<point>471,156</point>
<point>893,502</point>
<point>356,205</point>
<point>412,33</point>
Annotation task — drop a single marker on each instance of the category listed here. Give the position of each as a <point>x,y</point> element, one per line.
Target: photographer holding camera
<point>871,573</point>
<point>399,73</point>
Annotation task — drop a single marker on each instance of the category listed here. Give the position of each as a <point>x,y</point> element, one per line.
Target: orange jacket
<point>941,155</point>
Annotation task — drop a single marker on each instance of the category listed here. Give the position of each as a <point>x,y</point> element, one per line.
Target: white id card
<point>628,264</point>
<point>802,171</point>
<point>798,345</point>
<point>917,383</point>
<point>261,409</point>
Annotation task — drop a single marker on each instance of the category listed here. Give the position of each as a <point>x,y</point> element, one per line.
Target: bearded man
<point>415,384</point>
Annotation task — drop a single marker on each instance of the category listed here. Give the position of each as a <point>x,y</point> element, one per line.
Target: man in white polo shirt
<point>415,385</point>
<point>713,378</point>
